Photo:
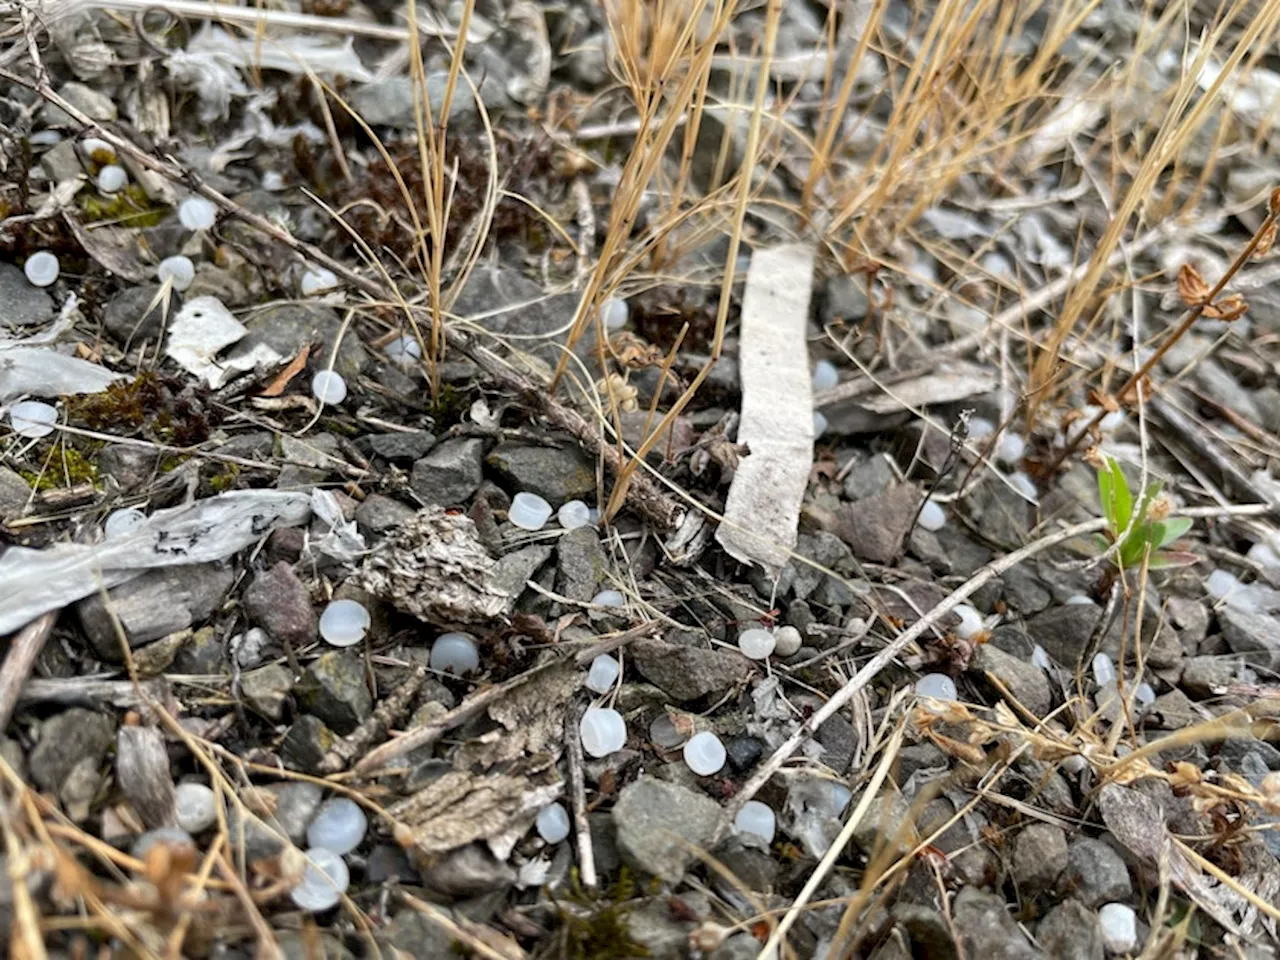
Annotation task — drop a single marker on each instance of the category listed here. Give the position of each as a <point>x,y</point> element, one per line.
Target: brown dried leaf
<point>1191,286</point>
<point>1266,241</point>
<point>1230,307</point>
<point>294,367</point>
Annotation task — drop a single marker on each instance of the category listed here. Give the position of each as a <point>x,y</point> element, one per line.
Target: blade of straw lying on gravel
<point>763,508</point>
<point>934,388</point>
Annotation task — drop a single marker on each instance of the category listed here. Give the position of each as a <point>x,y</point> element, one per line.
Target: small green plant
<point>1141,526</point>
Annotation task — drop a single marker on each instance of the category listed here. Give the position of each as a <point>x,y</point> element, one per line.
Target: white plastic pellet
<point>170,836</point>
<point>704,753</point>
<point>786,641</point>
<point>112,178</point>
<point>404,350</point>
<point>820,424</point>
<point>840,797</point>
<point>1264,554</point>
<point>529,511</point>
<point>609,598</point>
<point>344,623</point>
<point>455,653</point>
<point>757,819</point>
<point>179,270</point>
<point>1220,583</point>
<point>932,516</point>
<point>339,826</point>
<point>1079,599</point>
<point>196,807</point>
<point>1111,422</point>
<point>936,686</point>
<point>1104,670</point>
<point>317,280</point>
<point>95,148</point>
<point>1144,694</point>
<point>1040,658</point>
<point>1119,927</point>
<point>603,731</point>
<point>197,213</point>
<point>33,419</point>
<point>825,376</point>
<point>980,428</point>
<point>970,621</point>
<point>273,180</point>
<point>327,386</point>
<point>603,673</point>
<point>664,733</point>
<point>323,882</point>
<point>1010,448</point>
<point>756,643</point>
<point>552,823</point>
<point>45,138</point>
<point>120,522</point>
<point>41,268</point>
<point>614,312</point>
<point>1024,485</point>
<point>573,515</point>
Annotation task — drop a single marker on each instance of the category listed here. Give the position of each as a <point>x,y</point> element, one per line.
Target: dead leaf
<point>1265,242</point>
<point>281,380</point>
<point>114,248</point>
<point>1191,286</point>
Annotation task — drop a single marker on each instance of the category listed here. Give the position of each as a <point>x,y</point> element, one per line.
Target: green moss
<point>131,207</point>
<point>67,467</point>
<point>123,403</point>
<point>602,932</point>
<point>225,479</point>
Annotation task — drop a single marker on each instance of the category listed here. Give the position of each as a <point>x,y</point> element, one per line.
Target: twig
<point>23,651</point>
<point>95,691</point>
<point>390,712</point>
<point>582,825</point>
<point>461,930</point>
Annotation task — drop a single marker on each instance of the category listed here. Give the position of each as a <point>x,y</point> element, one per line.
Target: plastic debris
<point>603,674</point>
<point>317,280</point>
<point>1024,485</point>
<point>980,428</point>
<point>41,268</point>
<point>329,387</point>
<point>343,541</point>
<point>112,178</point>
<point>787,641</point>
<point>197,213</point>
<point>936,686</point>
<point>455,653</point>
<point>664,733</point>
<point>1104,671</point>
<point>704,754</point>
<point>1079,599</point>
<point>1040,658</point>
<point>1010,448</point>
<point>344,623</point>
<point>403,350</point>
<point>573,515</point>
<point>1119,927</point>
<point>31,367</point>
<point>615,313</point>
<point>33,419</point>
<point>756,643</point>
<point>201,330</point>
<point>95,148</point>
<point>339,825</point>
<point>1144,694</point>
<point>323,882</point>
<point>170,836</point>
<point>196,808</point>
<point>552,823</point>
<point>529,511</point>
<point>970,621</point>
<point>757,819</point>
<point>179,271</point>
<point>603,731</point>
<point>932,516</point>
<point>120,522</point>
<point>825,376</point>
<point>609,598</point>
<point>303,53</point>
<point>820,424</point>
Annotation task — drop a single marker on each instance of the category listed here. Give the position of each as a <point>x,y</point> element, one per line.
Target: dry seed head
<point>1265,242</point>
<point>1160,508</point>
<point>1191,286</point>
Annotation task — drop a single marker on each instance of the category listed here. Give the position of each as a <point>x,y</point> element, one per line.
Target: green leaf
<point>1168,559</point>
<point>1122,498</point>
<point>1171,530</point>
<point>1104,494</point>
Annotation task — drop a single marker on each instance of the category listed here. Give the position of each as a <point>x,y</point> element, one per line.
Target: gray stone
<point>845,298</point>
<point>379,513</point>
<point>319,451</point>
<point>128,319</point>
<point>129,468</point>
<point>557,474</point>
<point>825,550</point>
<point>928,929</point>
<point>1070,931</point>
<point>14,494</point>
<point>414,935</point>
<point>655,930</point>
<point>887,822</point>
<point>869,478</point>
<point>1205,677</point>
<point>1095,874</point>
<point>278,602</point>
<point>649,811</point>
<point>839,741</point>
<point>1026,682</point>
<point>875,527</point>
<point>1235,749</point>
<point>744,752</point>
<point>333,688</point>
<point>401,448</point>
<point>467,872</point>
<point>1024,592</point>
<point>93,103</point>
<point>296,806</point>
<point>142,774</point>
<point>306,743</point>
<point>157,603</point>
<point>1256,635</point>
<point>21,303</point>
<point>1191,618</point>
<point>450,473</point>
<point>390,102</point>
<point>740,946</point>
<point>67,739</point>
<point>518,567</point>
<point>581,564</point>
<point>686,672</point>
<point>917,757</point>
<point>311,946</point>
<point>755,868</point>
<point>1039,856</point>
<point>1063,631</point>
<point>202,654</point>
<point>266,689</point>
<point>286,326</point>
<point>986,930</point>
<point>1172,711</point>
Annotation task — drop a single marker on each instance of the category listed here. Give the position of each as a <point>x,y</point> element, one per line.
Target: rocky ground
<point>426,660</point>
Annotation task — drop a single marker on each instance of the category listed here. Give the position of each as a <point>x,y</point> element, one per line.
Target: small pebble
<point>664,733</point>
<point>1119,927</point>
<point>757,819</point>
<point>323,882</point>
<point>197,213</point>
<point>317,280</point>
<point>529,511</point>
<point>41,268</point>
<point>196,808</point>
<point>820,424</point>
<point>932,516</point>
<point>1024,485</point>
<point>756,643</point>
<point>1010,448</point>
<point>825,376</point>
<point>344,623</point>
<point>179,271</point>
<point>603,731</point>
<point>327,386</point>
<point>404,350</point>
<point>33,419</point>
<point>704,753</point>
<point>970,621</point>
<point>609,598</point>
<point>603,673</point>
<point>120,522</point>
<point>615,312</point>
<point>339,826</point>
<point>786,641</point>
<point>112,178</point>
<point>1040,658</point>
<point>573,515</point>
<point>171,836</point>
<point>1104,671</point>
<point>936,686</point>
<point>455,653</point>
<point>552,823</point>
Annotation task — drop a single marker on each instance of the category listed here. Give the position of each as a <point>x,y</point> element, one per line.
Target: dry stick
<point>393,709</point>
<point>582,826</point>
<point>882,659</point>
<point>23,651</point>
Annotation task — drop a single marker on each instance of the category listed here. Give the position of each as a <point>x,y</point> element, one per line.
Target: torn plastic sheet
<point>201,330</point>
<point>30,367</point>
<point>296,54</point>
<point>33,582</point>
<point>343,541</point>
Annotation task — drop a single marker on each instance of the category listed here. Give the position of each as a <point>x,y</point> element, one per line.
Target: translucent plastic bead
<point>1104,670</point>
<point>937,686</point>
<point>603,731</point>
<point>840,797</point>
<point>614,312</point>
<point>552,823</point>
<point>609,598</point>
<point>1221,583</point>
<point>97,149</point>
<point>196,809</point>
<point>664,733</point>
<point>179,270</point>
<point>327,386</point>
<point>1079,599</point>
<point>756,643</point>
<point>404,350</point>
<point>344,623</point>
<point>980,428</point>
<point>603,673</point>
<point>1111,422</point>
<point>820,424</point>
<point>529,511</point>
<point>171,836</point>
<point>970,621</point>
<point>273,180</point>
<point>932,516</point>
<point>757,819</point>
<point>704,753</point>
<point>1024,485</point>
<point>1119,927</point>
<point>455,653</point>
<point>1264,554</point>
<point>33,419</point>
<point>339,826</point>
<point>786,641</point>
<point>825,376</point>
<point>112,178</point>
<point>197,213</point>
<point>120,522</point>
<point>323,882</point>
<point>1040,658</point>
<point>41,268</point>
<point>1144,694</point>
<point>317,280</point>
<point>1010,447</point>
<point>573,515</point>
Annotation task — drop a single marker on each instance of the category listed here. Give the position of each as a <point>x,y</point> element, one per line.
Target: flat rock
<point>379,513</point>
<point>128,467</point>
<point>557,474</point>
<point>1095,874</point>
<point>687,672</point>
<point>1039,856</point>
<point>1071,931</point>
<point>130,317</point>
<point>986,929</point>
<point>580,564</point>
<point>875,527</point>
<point>1025,681</point>
<point>157,603</point>
<point>401,448</point>
<point>21,303</point>
<point>306,743</point>
<point>517,568</point>
<point>333,688</point>
<point>266,689</point>
<point>450,473</point>
<point>649,812</point>
<point>467,871</point>
<point>14,494</point>
<point>279,602</point>
<point>67,740</point>
<point>1205,677</point>
<point>1256,635</point>
<point>1063,632</point>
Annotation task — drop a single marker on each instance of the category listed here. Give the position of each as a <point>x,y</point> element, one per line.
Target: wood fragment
<point>388,713</point>
<point>143,775</point>
<point>24,648</point>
